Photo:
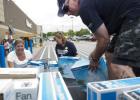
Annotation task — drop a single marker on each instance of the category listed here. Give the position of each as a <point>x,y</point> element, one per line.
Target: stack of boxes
<point>111,90</point>
<point>29,84</point>
<point>132,94</point>
<point>19,83</point>
<point>18,73</point>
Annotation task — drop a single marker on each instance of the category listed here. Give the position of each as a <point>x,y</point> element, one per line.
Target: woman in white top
<point>19,57</point>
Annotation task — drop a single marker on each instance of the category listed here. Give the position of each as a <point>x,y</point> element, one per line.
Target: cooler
<point>65,63</point>
<point>83,75</point>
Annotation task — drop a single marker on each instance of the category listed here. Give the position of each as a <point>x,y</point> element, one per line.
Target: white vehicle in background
<point>88,38</point>
<point>51,38</point>
<point>75,38</point>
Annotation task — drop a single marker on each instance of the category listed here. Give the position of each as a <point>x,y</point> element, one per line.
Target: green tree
<point>50,33</point>
<point>71,33</point>
<point>44,35</point>
<point>83,32</point>
<point>65,33</point>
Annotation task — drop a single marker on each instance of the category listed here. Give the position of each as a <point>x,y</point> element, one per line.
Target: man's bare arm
<point>102,37</point>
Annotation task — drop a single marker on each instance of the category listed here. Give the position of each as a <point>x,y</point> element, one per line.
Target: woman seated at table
<point>63,46</point>
<point>19,57</point>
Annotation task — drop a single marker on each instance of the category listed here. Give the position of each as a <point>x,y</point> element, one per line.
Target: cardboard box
<point>111,90</point>
<point>25,89</point>
<point>6,89</point>
<point>65,63</point>
<point>83,75</point>
<point>18,73</point>
<point>52,87</point>
<point>53,64</point>
<point>132,94</point>
<point>37,64</point>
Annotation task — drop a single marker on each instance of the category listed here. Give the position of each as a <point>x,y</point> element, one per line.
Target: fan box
<point>132,94</point>
<point>6,89</point>
<point>25,89</point>
<point>111,90</point>
<point>18,73</point>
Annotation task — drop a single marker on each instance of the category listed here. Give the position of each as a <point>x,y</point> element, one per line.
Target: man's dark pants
<point>125,46</point>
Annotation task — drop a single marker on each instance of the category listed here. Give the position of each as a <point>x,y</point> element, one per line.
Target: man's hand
<point>93,63</point>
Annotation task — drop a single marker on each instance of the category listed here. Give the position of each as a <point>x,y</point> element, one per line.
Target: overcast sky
<point>44,12</point>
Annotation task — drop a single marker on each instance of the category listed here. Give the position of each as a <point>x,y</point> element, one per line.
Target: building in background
<point>14,21</point>
<point>39,36</point>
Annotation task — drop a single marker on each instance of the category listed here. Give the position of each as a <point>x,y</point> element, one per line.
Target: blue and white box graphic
<point>83,75</point>
<point>6,89</point>
<point>25,89</point>
<point>132,94</point>
<point>111,90</point>
<point>52,87</point>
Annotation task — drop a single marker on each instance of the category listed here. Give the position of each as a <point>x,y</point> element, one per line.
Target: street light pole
<point>72,21</point>
<point>62,27</point>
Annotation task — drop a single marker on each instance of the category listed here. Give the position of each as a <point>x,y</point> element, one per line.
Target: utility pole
<point>62,27</point>
<point>72,22</point>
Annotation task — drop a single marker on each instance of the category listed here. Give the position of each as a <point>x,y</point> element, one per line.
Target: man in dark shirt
<point>120,18</point>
